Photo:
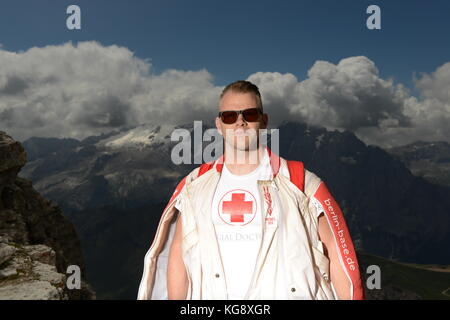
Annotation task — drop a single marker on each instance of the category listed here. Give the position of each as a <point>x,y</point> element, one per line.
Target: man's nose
<point>240,120</point>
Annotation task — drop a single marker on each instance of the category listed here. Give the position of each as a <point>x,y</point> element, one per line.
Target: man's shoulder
<point>192,175</point>
<point>186,180</point>
<point>197,172</point>
<point>312,180</point>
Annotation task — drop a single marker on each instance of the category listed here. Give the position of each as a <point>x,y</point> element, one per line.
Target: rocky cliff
<point>430,160</point>
<point>37,243</point>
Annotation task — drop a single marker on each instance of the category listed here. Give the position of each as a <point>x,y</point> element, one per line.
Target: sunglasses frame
<point>238,112</point>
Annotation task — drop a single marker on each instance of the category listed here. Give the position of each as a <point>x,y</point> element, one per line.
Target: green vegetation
<point>429,284</point>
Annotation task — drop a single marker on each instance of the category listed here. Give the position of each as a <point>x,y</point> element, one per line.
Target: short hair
<point>243,86</point>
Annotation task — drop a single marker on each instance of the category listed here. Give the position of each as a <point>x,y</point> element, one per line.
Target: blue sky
<point>233,39</point>
<point>312,60</point>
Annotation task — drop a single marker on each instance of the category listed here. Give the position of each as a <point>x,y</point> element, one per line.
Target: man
<point>249,226</point>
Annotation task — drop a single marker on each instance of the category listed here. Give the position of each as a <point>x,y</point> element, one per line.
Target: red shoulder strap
<point>297,173</point>
<point>204,168</point>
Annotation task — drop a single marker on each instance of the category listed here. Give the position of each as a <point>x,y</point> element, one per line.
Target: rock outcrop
<point>37,243</point>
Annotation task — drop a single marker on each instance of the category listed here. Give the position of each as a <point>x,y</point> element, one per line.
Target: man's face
<point>241,135</point>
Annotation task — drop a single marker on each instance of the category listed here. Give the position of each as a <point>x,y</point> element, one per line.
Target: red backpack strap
<point>204,168</point>
<point>297,173</point>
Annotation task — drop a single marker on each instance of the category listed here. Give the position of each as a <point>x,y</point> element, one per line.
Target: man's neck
<point>244,161</point>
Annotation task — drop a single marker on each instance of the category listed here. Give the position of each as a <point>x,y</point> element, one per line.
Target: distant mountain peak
<point>143,135</point>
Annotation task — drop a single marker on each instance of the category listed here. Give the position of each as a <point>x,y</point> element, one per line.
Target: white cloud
<point>348,95</point>
<point>429,114</point>
<point>79,90</point>
<point>436,85</point>
<point>352,96</point>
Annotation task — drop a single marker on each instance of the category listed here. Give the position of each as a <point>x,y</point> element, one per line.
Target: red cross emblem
<point>237,207</point>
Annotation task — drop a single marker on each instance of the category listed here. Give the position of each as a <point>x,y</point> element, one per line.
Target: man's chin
<point>244,147</point>
<point>242,144</point>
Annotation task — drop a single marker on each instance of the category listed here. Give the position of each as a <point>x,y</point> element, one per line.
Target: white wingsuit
<point>290,244</point>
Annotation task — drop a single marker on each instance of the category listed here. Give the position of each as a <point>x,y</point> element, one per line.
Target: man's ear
<point>218,125</point>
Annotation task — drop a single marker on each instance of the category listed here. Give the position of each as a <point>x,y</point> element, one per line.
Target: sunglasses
<point>249,115</point>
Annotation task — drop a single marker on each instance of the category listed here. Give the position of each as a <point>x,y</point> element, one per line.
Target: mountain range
<point>113,187</point>
<point>430,160</point>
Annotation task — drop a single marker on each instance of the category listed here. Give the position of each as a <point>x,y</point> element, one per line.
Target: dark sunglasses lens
<point>229,117</point>
<point>251,115</point>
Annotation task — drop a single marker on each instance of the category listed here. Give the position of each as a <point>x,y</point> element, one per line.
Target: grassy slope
<point>429,284</point>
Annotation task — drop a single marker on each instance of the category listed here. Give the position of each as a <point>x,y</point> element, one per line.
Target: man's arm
<point>177,281</point>
<point>339,278</point>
